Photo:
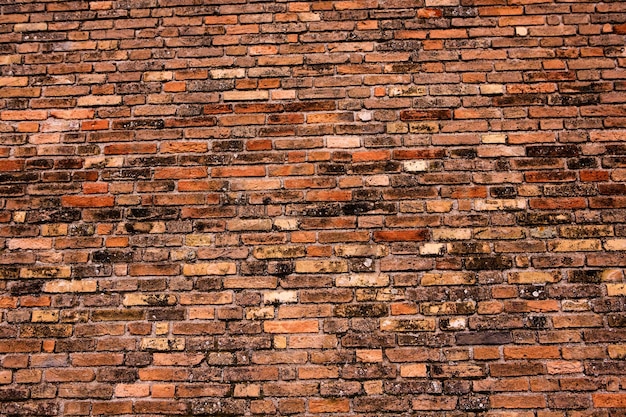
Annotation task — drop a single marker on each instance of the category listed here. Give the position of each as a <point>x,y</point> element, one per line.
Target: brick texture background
<point>357,208</point>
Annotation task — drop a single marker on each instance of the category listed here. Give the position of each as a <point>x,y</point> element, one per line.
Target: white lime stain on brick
<point>416,166</point>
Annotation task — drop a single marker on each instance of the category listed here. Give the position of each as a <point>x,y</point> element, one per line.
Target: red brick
<point>253,171</point>
<point>401,235</point>
<point>425,115</point>
<point>518,401</point>
<point>88,201</point>
<point>180,173</point>
<point>130,149</point>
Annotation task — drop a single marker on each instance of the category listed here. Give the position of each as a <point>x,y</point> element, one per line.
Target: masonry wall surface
<point>356,208</point>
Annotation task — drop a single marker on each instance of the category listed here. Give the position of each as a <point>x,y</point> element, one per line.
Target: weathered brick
<point>45,272</point>
<point>149,299</point>
<point>323,267</point>
<point>363,280</point>
<point>407,325</point>
<point>301,326</point>
<point>70,286</point>
<point>448,278</point>
<point>162,344</point>
<point>214,268</point>
<point>530,277</point>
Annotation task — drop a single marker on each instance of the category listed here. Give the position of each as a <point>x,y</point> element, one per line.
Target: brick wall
<point>357,208</point>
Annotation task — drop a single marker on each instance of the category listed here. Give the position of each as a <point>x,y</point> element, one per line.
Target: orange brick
<point>339,405</point>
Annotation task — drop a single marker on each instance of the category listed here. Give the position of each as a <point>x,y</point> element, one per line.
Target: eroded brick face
<point>355,208</point>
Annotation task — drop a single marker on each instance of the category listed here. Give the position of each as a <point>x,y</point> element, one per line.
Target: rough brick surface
<point>355,208</point>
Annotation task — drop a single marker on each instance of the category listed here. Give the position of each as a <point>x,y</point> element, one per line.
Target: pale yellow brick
<point>363,280</point>
<point>491,138</point>
<point>70,286</point>
<point>448,278</point>
<point>416,166</point>
<point>19,216</point>
<point>491,89</point>
<point>451,234</point>
<point>433,249</point>
<point>282,296</point>
<point>218,74</point>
